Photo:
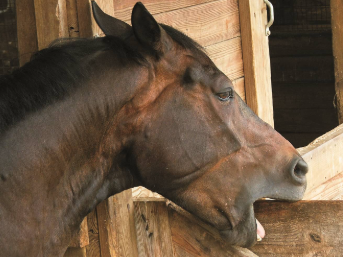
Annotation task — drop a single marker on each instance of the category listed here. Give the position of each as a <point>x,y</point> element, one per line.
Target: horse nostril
<point>299,171</point>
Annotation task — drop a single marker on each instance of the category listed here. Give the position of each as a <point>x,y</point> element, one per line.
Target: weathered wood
<point>93,249</point>
<point>239,84</point>
<point>26,30</point>
<point>303,69</point>
<point>51,21</point>
<point>75,252</point>
<point>84,16</point>
<point>253,19</point>
<point>324,157</point>
<point>208,23</point>
<point>192,237</point>
<point>73,22</point>
<point>305,120</point>
<point>153,229</point>
<point>123,8</point>
<point>117,230</point>
<point>227,55</point>
<point>337,38</point>
<point>300,45</point>
<point>304,228</point>
<point>81,239</point>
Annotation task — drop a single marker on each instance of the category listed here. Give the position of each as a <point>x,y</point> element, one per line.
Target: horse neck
<point>54,164</point>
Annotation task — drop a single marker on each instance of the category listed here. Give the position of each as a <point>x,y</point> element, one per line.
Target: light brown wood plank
<point>239,86</point>
<point>258,91</point>
<point>73,22</point>
<point>337,38</point>
<point>117,229</point>
<point>227,55</point>
<point>324,157</point>
<point>123,8</point>
<point>81,239</point>
<point>153,230</point>
<point>192,237</point>
<point>26,30</point>
<point>51,21</point>
<point>93,249</point>
<point>75,252</point>
<point>304,228</point>
<point>84,16</point>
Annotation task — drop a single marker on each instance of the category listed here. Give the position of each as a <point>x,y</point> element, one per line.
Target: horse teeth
<point>259,239</point>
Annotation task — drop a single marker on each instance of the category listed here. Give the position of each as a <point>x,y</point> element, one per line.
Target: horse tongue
<point>260,231</point>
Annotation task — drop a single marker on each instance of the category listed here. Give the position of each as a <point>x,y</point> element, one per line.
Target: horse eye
<point>224,96</point>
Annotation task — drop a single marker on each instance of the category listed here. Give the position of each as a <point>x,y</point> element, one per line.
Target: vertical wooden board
<point>81,239</point>
<point>84,16</point>
<point>75,252</point>
<point>258,90</point>
<point>73,22</point>
<point>227,55</point>
<point>117,230</point>
<point>238,85</point>
<point>93,249</point>
<point>51,21</point>
<point>123,8</point>
<point>337,40</point>
<point>153,230</point>
<point>192,237</point>
<point>304,228</point>
<point>26,30</point>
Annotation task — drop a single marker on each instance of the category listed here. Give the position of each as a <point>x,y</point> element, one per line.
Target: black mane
<point>55,72</point>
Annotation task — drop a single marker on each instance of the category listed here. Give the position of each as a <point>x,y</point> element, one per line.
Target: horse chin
<point>244,234</point>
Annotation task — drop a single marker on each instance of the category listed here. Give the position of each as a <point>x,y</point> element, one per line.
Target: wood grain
<point>51,21</point>
<point>84,16</point>
<point>239,87</point>
<point>75,252</point>
<point>26,30</point>
<point>153,230</point>
<point>192,237</point>
<point>258,91</point>
<point>81,239</point>
<point>337,38</point>
<point>123,8</point>
<point>324,157</point>
<point>227,55</point>
<point>73,22</point>
<point>117,230</point>
<point>304,228</point>
<point>93,249</point>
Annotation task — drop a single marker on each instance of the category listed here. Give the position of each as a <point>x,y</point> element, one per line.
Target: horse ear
<point>147,30</point>
<point>110,25</point>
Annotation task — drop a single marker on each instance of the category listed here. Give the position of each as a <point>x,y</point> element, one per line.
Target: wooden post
<point>117,231</point>
<point>337,40</point>
<point>258,90</point>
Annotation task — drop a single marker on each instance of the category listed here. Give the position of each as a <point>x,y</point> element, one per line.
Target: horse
<point>142,106</point>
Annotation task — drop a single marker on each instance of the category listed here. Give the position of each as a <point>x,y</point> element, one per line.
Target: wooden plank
<point>239,86</point>
<point>300,45</point>
<point>304,228</point>
<point>51,21</point>
<point>93,249</point>
<point>81,239</point>
<point>73,22</point>
<point>227,55</point>
<point>331,189</point>
<point>337,38</point>
<point>123,8</point>
<point>300,139</point>
<point>253,19</point>
<point>303,69</point>
<point>324,157</point>
<point>75,252</point>
<point>153,230</point>
<point>192,237</point>
<point>117,230</point>
<point>301,95</point>
<point>84,16</point>
<point>26,30</point>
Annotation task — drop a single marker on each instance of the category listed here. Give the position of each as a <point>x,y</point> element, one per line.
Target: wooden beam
<point>117,231</point>
<point>93,249</point>
<point>304,228</point>
<point>153,229</point>
<point>325,159</point>
<point>26,30</point>
<point>81,239</point>
<point>337,38</point>
<point>258,90</point>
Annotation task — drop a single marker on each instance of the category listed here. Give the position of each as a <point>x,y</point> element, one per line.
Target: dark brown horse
<point>144,105</point>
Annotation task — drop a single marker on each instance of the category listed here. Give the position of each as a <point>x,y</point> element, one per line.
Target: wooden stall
<point>233,34</point>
